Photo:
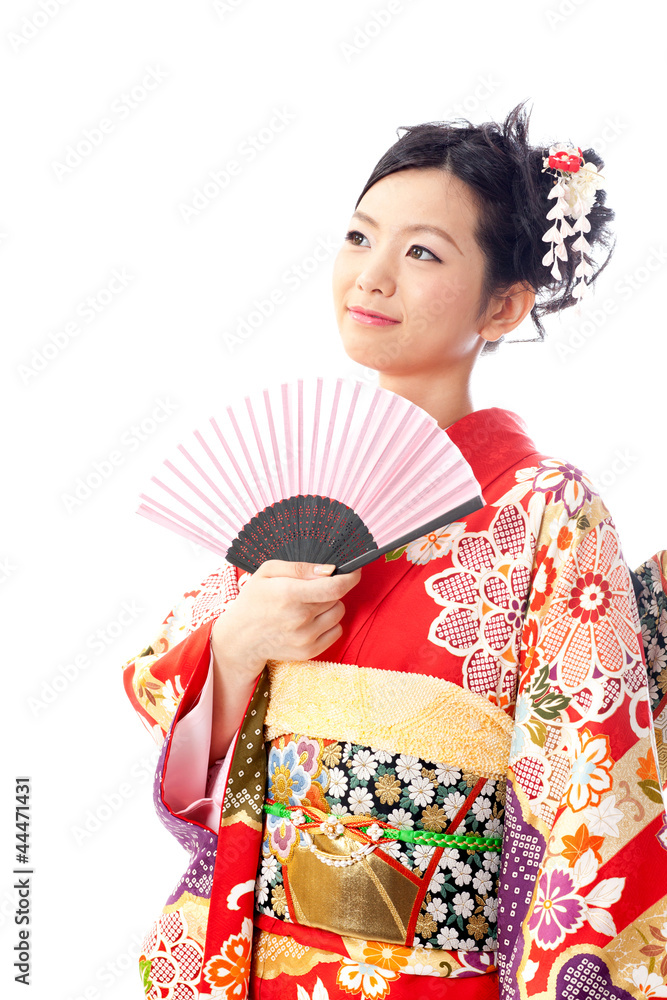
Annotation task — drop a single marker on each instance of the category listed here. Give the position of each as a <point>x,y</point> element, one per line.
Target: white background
<point>592,72</point>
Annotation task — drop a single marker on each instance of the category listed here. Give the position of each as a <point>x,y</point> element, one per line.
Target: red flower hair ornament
<point>574,190</point>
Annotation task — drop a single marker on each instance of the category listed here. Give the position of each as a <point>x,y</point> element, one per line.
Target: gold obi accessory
<point>384,822</point>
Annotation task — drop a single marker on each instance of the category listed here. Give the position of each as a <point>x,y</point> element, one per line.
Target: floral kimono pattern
<point>502,771</point>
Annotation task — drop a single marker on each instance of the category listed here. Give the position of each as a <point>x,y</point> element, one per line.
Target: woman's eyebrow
<point>416,228</point>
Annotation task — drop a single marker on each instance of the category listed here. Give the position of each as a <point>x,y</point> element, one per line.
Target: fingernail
<point>322,569</point>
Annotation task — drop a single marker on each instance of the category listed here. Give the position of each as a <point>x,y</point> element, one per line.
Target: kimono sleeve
<point>191,788</point>
<point>583,890</point>
<point>156,679</point>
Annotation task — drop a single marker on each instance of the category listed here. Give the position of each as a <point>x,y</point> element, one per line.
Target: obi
<point>384,804</point>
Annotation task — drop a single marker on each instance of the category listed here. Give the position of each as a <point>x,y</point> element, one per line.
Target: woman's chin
<point>372,353</point>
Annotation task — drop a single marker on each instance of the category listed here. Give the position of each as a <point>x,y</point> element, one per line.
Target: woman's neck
<point>446,401</point>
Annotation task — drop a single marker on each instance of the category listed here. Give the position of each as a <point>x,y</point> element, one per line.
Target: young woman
<point>443,765</point>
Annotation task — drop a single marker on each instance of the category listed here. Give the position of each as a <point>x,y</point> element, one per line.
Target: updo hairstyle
<point>505,173</point>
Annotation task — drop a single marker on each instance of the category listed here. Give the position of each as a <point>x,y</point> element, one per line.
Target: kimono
<point>470,788</point>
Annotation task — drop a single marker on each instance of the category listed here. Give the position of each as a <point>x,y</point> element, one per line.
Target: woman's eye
<point>416,247</point>
<point>351,238</point>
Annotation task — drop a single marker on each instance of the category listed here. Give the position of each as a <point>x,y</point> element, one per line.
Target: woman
<point>459,778</point>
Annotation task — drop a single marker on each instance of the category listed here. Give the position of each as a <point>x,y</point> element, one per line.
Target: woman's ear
<point>505,312</point>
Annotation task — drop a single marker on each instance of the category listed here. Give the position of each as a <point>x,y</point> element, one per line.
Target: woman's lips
<point>371,320</point>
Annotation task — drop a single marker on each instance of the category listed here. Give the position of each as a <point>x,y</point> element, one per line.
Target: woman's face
<point>429,284</point>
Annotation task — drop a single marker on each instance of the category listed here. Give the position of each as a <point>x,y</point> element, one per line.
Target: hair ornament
<point>574,190</point>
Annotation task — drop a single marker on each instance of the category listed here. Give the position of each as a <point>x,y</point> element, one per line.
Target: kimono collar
<point>492,441</point>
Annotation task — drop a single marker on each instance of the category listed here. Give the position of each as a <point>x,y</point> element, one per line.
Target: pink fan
<point>322,470</point>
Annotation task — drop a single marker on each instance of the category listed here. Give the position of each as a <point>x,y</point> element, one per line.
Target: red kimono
<point>470,788</point>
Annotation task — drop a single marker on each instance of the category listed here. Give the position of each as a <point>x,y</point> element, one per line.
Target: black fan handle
<point>476,503</point>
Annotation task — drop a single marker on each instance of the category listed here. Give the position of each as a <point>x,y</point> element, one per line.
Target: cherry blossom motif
<point>562,481</point>
<point>419,969</point>
<point>484,595</point>
<point>591,771</point>
<point>591,627</point>
<point>435,544</point>
<point>650,984</point>
<point>565,482</point>
<point>360,977</point>
<point>170,959</point>
<point>229,970</point>
<point>558,909</point>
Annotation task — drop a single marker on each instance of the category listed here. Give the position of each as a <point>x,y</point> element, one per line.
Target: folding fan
<point>321,470</point>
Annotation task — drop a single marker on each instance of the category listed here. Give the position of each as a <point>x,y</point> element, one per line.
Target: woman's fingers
<point>304,585</point>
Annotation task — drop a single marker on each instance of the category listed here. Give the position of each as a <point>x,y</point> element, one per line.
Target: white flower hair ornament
<point>574,188</point>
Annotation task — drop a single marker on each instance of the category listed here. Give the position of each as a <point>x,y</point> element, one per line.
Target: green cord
<point>430,837</point>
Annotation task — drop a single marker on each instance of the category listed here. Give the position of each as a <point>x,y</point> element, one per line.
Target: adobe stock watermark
<point>609,133</point>
<point>364,34</point>
<point>86,312</point>
<point>291,278</point>
<point>7,906</point>
<point>109,803</point>
<point>108,974</point>
<point>7,569</point>
<point>485,87</point>
<point>595,318</point>
<point>561,12</point>
<point>33,24</point>
<point>360,373</point>
<point>129,442</point>
<point>623,460</point>
<point>222,7</point>
<point>120,110</point>
<point>95,643</point>
<point>247,151</point>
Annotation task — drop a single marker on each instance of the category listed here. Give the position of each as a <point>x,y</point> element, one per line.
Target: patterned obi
<point>383,815</point>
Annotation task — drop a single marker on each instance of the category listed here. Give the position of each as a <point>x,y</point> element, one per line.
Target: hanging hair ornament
<point>574,188</point>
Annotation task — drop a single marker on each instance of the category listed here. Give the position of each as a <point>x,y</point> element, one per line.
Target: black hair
<point>505,173</point>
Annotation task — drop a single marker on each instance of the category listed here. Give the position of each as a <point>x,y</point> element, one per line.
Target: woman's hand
<point>284,611</point>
